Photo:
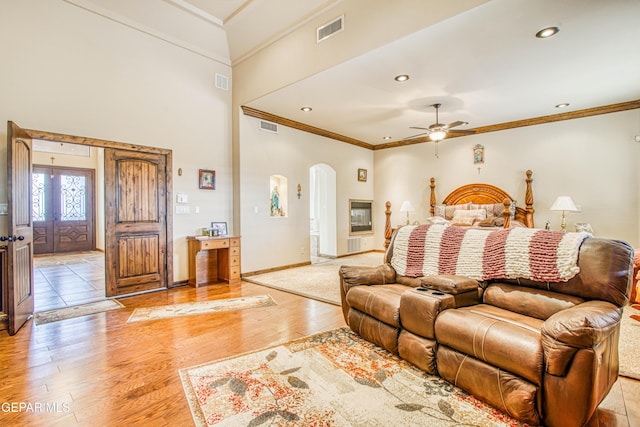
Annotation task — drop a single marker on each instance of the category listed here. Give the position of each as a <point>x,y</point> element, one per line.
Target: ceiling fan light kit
<point>437,131</point>
<point>438,135</point>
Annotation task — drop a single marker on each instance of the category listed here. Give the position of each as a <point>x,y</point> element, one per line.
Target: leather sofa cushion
<point>381,302</point>
<point>511,394</point>
<point>374,330</point>
<point>504,339</point>
<point>536,303</point>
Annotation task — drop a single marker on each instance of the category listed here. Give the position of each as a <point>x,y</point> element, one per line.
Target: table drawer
<point>234,241</point>
<point>234,250</point>
<point>234,272</point>
<point>214,244</point>
<point>234,261</point>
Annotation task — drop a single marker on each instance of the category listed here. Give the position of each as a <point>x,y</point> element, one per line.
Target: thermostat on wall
<point>182,198</point>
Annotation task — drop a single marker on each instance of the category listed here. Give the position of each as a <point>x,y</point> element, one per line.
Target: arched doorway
<point>322,212</point>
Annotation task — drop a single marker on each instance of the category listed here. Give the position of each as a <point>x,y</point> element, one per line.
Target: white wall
<point>273,242</point>
<point>67,70</point>
<point>594,160</point>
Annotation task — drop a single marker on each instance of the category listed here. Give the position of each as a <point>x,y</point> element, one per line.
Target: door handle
<point>11,238</point>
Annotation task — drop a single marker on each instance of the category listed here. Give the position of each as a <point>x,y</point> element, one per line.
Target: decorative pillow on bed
<point>496,221</point>
<point>495,209</point>
<point>450,210</point>
<point>439,210</point>
<point>467,217</point>
<point>436,220</point>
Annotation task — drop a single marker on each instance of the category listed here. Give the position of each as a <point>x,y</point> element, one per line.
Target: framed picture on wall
<point>207,179</point>
<point>362,175</point>
<point>220,227</point>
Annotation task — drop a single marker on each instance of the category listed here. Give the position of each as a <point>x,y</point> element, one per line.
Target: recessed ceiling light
<point>401,78</point>
<point>563,105</point>
<point>547,32</point>
<point>306,109</point>
<point>386,137</point>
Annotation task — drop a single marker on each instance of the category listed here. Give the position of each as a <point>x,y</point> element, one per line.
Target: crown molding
<point>578,114</point>
<point>606,109</point>
<point>252,112</point>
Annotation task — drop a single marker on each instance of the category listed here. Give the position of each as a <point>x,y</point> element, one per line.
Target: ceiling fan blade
<point>462,131</point>
<point>415,127</point>
<point>454,124</point>
<point>416,136</point>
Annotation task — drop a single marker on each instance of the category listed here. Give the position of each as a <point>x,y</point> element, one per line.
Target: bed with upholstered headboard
<point>500,208</point>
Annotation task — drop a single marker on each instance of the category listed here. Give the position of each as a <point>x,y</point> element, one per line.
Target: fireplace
<point>361,218</point>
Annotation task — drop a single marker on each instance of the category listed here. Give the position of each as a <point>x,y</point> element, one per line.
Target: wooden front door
<point>20,290</point>
<point>63,209</point>
<point>136,209</point>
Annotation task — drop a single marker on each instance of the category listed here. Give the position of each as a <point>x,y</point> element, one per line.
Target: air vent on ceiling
<point>268,126</point>
<point>222,82</point>
<point>330,29</point>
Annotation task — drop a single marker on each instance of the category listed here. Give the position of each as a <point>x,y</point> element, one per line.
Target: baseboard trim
<point>302,264</point>
<point>271,270</point>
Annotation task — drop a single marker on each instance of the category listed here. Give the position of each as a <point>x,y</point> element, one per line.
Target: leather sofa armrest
<point>463,289</point>
<point>450,284</point>
<point>582,326</point>
<point>366,275</point>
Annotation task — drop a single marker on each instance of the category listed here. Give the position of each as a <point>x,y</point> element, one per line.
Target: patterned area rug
<point>317,281</point>
<point>199,307</point>
<point>330,379</point>
<point>50,316</point>
<point>630,342</point>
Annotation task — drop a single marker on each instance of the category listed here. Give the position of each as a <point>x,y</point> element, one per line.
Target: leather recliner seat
<point>544,353</point>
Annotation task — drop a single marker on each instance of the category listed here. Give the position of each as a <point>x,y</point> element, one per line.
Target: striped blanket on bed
<point>541,255</point>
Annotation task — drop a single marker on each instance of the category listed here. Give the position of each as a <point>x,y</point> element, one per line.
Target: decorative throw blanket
<point>541,255</point>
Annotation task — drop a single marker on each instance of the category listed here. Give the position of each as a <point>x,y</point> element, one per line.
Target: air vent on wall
<point>353,245</point>
<point>268,126</point>
<point>330,29</point>
<point>222,82</point>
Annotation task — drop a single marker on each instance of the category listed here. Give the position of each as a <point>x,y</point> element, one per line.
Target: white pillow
<point>461,217</point>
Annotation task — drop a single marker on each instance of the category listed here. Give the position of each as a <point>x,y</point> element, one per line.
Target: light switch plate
<point>182,198</point>
<point>182,210</point>
<point>4,209</point>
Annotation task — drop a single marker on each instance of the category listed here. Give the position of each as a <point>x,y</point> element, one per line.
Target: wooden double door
<point>138,219</point>
<point>63,209</point>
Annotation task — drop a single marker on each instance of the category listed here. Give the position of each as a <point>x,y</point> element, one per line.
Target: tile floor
<point>68,279</point>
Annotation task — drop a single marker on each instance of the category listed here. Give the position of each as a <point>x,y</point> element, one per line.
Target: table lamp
<point>563,203</point>
<point>407,207</point>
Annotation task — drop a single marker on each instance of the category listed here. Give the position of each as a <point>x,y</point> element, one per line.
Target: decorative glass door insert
<point>62,209</point>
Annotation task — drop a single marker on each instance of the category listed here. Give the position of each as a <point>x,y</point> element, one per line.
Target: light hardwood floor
<point>101,371</point>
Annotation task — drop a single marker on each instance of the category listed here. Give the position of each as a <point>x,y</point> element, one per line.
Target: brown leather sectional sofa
<point>544,353</point>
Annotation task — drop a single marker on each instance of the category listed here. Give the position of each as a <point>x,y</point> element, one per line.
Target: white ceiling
<point>484,65</point>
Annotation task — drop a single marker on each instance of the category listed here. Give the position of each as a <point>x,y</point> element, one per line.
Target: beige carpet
<point>50,316</point>
<point>199,307</point>
<point>330,379</point>
<point>318,281</point>
<point>629,346</point>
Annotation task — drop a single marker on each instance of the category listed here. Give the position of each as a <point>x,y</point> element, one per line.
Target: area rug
<point>200,307</point>
<point>65,313</point>
<point>317,281</point>
<point>630,342</point>
<point>333,378</point>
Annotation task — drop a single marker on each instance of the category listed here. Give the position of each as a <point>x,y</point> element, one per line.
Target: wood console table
<point>214,260</point>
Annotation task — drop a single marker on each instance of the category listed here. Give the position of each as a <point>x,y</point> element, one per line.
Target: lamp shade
<point>564,203</point>
<point>407,207</point>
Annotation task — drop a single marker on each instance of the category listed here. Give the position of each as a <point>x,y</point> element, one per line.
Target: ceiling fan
<point>438,131</point>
